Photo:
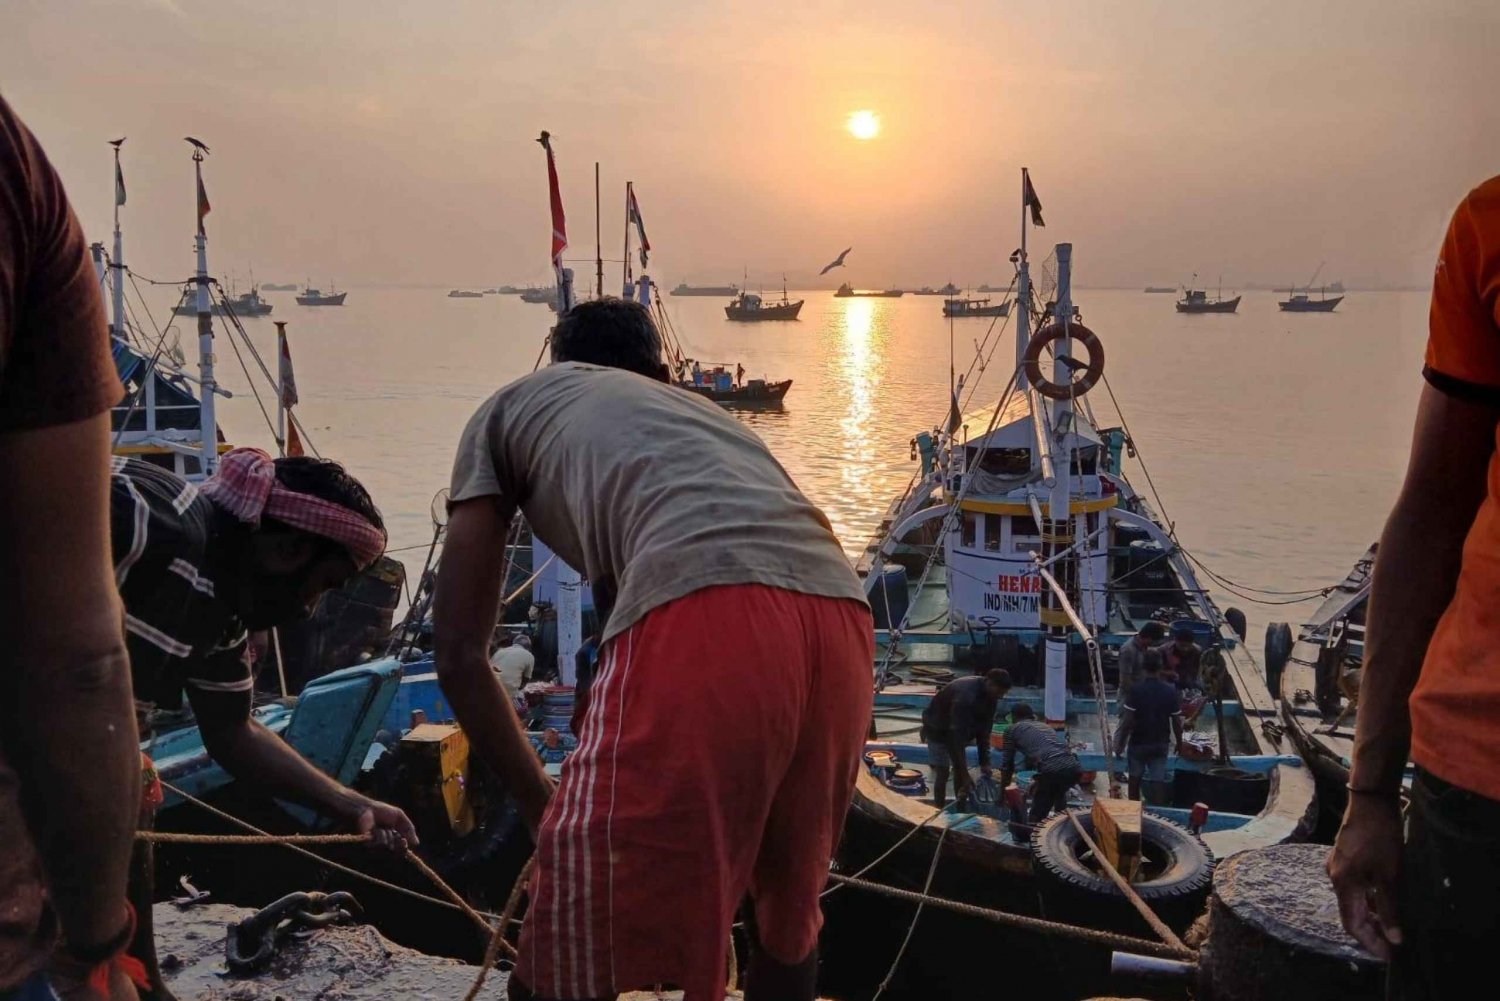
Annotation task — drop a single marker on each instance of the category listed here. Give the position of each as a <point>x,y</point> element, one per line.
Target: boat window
<point>1005,461</point>
<point>1025,536</point>
<point>970,523</point>
<point>993,526</point>
<point>1085,461</point>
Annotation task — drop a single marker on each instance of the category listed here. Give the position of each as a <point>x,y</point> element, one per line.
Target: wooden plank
<point>1117,828</point>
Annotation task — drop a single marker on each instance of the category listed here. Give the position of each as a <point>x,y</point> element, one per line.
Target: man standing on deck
<point>69,763</point>
<point>1131,652</point>
<point>252,548</point>
<point>960,714</point>
<point>719,747</point>
<point>1057,768</point>
<point>1150,726</point>
<point>1182,659</point>
<point>1431,682</point>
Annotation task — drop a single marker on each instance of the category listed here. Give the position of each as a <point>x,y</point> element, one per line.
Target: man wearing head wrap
<point>253,547</point>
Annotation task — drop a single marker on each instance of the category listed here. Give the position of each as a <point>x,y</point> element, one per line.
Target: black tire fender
<point>1278,651</point>
<point>1236,620</point>
<point>1071,890</point>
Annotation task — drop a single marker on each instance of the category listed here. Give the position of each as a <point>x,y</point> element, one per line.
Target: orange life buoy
<point>1032,360</point>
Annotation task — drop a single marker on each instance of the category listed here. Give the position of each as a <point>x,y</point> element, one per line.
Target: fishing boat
<point>1021,544</point>
<point>847,291</point>
<point>315,297</point>
<point>1159,289</point>
<point>539,295</point>
<point>1316,675</point>
<point>748,307</point>
<point>459,293</point>
<point>989,288</point>
<point>1301,302</point>
<point>1199,301</point>
<point>723,382</point>
<point>245,304</point>
<point>717,291</point>
<point>974,307</point>
<point>950,290</point>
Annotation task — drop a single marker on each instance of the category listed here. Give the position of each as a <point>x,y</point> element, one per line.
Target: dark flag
<point>203,206</point>
<point>640,226</point>
<point>119,185</point>
<point>1029,198</point>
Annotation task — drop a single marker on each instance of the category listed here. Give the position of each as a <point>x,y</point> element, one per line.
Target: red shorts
<point>717,757</point>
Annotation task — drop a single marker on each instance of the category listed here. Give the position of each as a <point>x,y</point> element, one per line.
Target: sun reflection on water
<point>861,367</point>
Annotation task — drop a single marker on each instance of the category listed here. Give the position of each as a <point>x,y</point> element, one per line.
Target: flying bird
<point>838,262</point>
<point>116,142</point>
<point>196,143</point>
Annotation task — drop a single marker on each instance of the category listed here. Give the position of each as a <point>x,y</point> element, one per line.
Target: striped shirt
<point>1041,746</point>
<point>180,628</point>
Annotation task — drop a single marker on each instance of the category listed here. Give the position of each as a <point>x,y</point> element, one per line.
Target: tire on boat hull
<point>1278,652</point>
<point>1236,620</point>
<point>1072,891</point>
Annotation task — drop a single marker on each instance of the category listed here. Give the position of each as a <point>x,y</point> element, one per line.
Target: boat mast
<point>629,286</point>
<point>209,453</point>
<point>1023,292</point>
<point>117,264</point>
<point>1057,530</point>
<point>598,241</point>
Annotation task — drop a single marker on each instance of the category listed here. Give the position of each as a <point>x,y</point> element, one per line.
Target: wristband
<point>1382,793</point>
<point>93,955</point>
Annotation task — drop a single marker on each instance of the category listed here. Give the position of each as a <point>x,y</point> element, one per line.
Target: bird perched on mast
<point>196,143</point>
<point>838,262</point>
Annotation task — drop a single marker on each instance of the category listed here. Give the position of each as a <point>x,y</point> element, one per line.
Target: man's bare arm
<point>1416,570</point>
<point>65,697</point>
<point>464,610</point>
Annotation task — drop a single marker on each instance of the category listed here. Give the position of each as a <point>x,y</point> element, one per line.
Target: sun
<point>864,125</point>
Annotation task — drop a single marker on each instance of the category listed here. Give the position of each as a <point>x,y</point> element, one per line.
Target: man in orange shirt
<point>1431,684</point>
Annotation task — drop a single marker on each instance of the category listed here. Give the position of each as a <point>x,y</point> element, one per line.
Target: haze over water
<point>1277,441</point>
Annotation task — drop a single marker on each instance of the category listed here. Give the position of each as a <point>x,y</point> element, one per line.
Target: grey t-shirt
<point>647,486</point>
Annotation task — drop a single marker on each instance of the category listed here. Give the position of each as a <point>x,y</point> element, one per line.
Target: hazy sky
<point>384,141</point>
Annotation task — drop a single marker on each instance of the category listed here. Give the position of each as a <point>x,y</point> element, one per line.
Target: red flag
<point>293,441</point>
<point>284,370</point>
<point>559,222</point>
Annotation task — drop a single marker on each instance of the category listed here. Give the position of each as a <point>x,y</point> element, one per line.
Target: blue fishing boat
<point>332,724</point>
<point>1026,547</point>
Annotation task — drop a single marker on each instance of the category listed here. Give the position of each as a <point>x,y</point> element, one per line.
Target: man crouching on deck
<point>718,750</point>
<point>254,546</point>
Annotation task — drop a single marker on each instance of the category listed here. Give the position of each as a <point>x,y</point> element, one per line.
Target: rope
<point>346,870</point>
<point>497,937</point>
<point>911,929</point>
<point>891,850</point>
<point>1041,926</point>
<point>1157,925</point>
<point>174,838</point>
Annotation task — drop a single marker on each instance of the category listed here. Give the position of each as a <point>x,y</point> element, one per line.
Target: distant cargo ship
<point>539,295</point>
<point>847,291</point>
<point>950,290</point>
<point>460,293</point>
<point>718,291</point>
<point>272,287</point>
<point>1159,289</point>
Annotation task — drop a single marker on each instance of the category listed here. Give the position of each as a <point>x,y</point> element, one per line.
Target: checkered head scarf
<point>246,487</point>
